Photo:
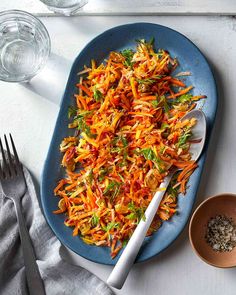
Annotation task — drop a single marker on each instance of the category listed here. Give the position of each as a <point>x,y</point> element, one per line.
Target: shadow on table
<point>214,140</point>
<point>77,24</point>
<point>51,81</point>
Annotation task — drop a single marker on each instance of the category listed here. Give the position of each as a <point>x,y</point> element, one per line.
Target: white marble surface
<point>29,113</point>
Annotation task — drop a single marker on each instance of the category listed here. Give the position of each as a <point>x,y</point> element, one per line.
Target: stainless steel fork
<point>14,187</point>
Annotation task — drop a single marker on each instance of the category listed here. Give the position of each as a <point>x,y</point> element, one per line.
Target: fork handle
<point>34,280</point>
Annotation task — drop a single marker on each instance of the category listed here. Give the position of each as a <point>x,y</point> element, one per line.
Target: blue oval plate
<point>190,59</point>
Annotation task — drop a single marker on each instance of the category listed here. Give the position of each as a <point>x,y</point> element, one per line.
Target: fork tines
<point>10,166</point>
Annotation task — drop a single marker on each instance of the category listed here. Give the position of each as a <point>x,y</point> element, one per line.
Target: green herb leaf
<point>124,141</point>
<point>72,111</point>
<point>81,123</point>
<point>172,191</point>
<point>183,138</point>
<point>149,80</point>
<point>128,55</point>
<point>110,226</point>
<point>115,140</point>
<point>90,176</point>
<point>151,41</point>
<point>121,177</point>
<point>165,130</point>
<point>124,243</point>
<point>146,81</point>
<point>166,107</point>
<point>155,103</point>
<point>131,206</point>
<point>112,189</point>
<point>164,126</point>
<point>161,102</point>
<point>116,150</point>
<point>162,149</point>
<point>147,43</point>
<point>160,53</point>
<point>94,220</point>
<point>149,154</point>
<point>132,216</point>
<point>102,173</point>
<point>136,212</point>
<point>83,114</point>
<point>185,98</point>
<point>124,162</point>
<point>98,96</point>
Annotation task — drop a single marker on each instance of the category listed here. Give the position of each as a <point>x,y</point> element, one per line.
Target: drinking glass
<point>24,46</point>
<point>66,7</point>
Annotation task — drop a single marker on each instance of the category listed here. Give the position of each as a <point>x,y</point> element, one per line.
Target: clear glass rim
<point>15,13</point>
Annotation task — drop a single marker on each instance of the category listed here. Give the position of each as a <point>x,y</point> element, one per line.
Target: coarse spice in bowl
<point>212,230</point>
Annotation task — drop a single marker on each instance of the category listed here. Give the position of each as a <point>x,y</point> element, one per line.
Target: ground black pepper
<point>221,233</point>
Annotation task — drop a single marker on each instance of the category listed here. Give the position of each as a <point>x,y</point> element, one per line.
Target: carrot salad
<point>128,135</point>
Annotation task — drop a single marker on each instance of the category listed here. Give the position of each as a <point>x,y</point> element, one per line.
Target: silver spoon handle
<point>34,280</point>
<point>127,258</point>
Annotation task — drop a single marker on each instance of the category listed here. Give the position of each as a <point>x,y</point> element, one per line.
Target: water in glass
<point>24,46</point>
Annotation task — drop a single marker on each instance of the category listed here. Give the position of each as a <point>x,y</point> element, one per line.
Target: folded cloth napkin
<point>60,278</point>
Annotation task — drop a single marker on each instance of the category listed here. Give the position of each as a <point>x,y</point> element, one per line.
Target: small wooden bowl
<point>224,204</point>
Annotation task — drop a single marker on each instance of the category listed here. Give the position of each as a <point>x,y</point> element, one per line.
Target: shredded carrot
<point>59,211</point>
<point>183,91</point>
<point>81,101</point>
<point>186,170</point>
<point>85,89</point>
<point>147,98</point>
<point>129,135</point>
<point>177,82</point>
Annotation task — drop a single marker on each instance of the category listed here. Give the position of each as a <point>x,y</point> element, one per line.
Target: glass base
<point>69,10</point>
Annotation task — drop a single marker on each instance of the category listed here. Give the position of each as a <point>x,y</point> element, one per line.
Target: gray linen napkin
<point>60,278</point>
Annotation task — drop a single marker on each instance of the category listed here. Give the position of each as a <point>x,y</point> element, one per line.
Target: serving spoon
<point>127,258</point>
